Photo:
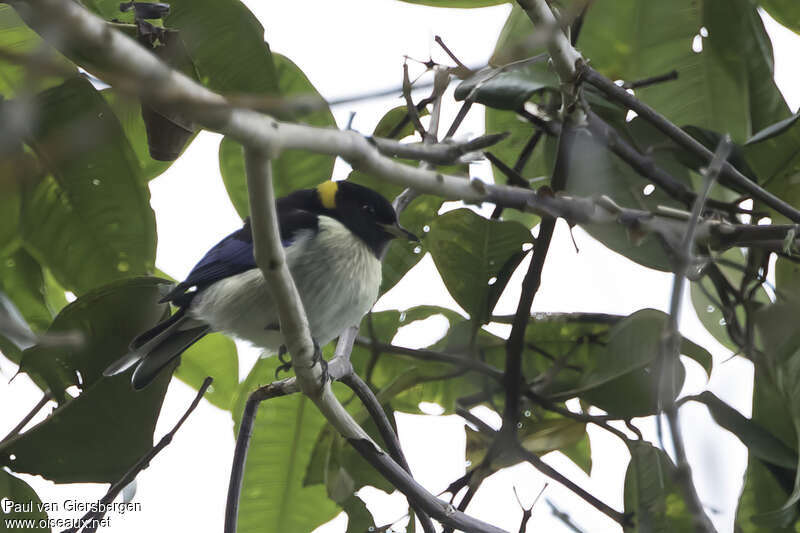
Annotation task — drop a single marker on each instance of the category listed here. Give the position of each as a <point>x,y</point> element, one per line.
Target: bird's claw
<point>325,377</point>
<point>285,365</point>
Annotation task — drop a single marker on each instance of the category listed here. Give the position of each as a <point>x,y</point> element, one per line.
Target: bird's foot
<point>325,377</point>
<point>285,365</point>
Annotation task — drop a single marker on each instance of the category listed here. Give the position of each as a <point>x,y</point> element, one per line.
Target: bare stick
<point>240,452</point>
<point>27,418</point>
<point>668,358</point>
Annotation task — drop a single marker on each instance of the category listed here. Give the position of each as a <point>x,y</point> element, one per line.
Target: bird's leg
<point>285,365</point>
<point>318,358</point>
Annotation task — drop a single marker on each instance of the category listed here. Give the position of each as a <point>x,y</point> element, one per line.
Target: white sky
<point>352,47</point>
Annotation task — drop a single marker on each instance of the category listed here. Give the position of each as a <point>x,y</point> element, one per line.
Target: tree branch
<point>669,353</point>
<point>729,175</point>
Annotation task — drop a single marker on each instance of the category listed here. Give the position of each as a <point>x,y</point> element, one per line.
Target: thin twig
<point>27,418</point>
<point>388,434</point>
<point>240,452</point>
<point>92,519</point>
<point>668,358</point>
<point>646,82</point>
<point>729,175</point>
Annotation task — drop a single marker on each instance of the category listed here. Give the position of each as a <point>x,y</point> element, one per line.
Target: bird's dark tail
<point>154,349</point>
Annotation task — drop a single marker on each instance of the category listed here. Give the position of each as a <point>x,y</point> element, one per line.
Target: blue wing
<point>234,254</point>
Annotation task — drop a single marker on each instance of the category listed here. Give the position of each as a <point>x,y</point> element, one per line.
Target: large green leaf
<point>767,485</point>
<point>615,370</point>
<point>226,44</point>
<point>22,280</point>
<point>293,169</point>
<point>90,222</point>
<point>779,340</point>
<point>24,506</point>
<point>273,497</point>
<point>108,414</point>
<point>594,168</point>
<point>508,87</point>
<point>469,251</point>
<point>18,38</point>
<point>787,12</point>
<point>760,442</point>
<point>651,495</point>
<point>129,113</point>
<point>727,87</point>
<point>107,318</point>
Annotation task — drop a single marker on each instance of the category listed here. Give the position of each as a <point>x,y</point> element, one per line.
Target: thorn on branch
<point>646,82</point>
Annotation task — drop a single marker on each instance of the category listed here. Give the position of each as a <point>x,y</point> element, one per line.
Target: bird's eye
<point>368,208</point>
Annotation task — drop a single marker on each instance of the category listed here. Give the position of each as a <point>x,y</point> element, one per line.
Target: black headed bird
<point>333,236</point>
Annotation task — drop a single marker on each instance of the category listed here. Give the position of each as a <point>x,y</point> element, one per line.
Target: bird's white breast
<point>337,277</point>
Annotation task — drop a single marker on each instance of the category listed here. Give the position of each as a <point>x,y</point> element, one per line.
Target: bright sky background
<point>353,47</point>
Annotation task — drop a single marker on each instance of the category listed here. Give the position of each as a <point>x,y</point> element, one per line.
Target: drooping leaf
<point>22,280</point>
<point>90,222</point>
<point>509,87</point>
<point>107,318</point>
<point>225,42</point>
<point>273,497</point>
<point>760,442</point>
<point>293,169</point>
<point>108,414</point>
<point>469,251</point>
<point>651,496</point>
<point>21,504</point>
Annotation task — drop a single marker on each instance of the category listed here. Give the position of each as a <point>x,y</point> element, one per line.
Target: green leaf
<point>22,280</point>
<point>787,12</point>
<point>708,309</point>
<point>650,494</point>
<point>90,222</point>
<point>359,519</point>
<point>594,168</point>
<point>25,505</point>
<point>395,123</point>
<point>129,113</point>
<point>226,64</point>
<point>293,169</point>
<point>760,442</point>
<point>619,377</point>
<point>273,497</point>
<point>780,342</point>
<point>508,87</point>
<point>17,37</point>
<point>469,251</point>
<point>723,88</point>
<point>107,318</point>
<point>776,161</point>
<point>773,130</point>
<point>214,355</point>
<point>767,486</point>
<point>108,414</point>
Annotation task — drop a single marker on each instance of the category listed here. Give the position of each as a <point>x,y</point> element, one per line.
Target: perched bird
<point>333,236</point>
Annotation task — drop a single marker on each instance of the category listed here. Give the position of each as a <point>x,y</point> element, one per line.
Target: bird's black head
<point>364,212</point>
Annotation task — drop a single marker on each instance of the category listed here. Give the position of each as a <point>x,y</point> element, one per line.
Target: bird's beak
<point>399,231</point>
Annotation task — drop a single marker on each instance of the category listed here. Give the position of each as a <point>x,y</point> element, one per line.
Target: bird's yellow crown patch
<point>327,194</point>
